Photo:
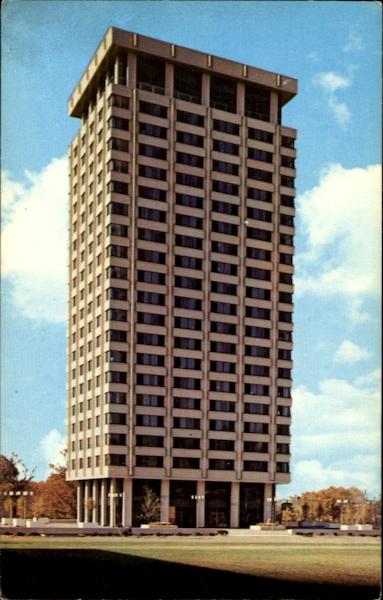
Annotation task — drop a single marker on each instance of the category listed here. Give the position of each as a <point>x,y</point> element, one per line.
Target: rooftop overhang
<point>116,40</point>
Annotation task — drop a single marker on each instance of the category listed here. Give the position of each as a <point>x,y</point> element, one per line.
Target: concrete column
<point>112,503</point>
<point>165,500</point>
<point>200,504</point>
<point>104,497</point>
<point>234,504</point>
<point>274,107</point>
<point>80,502</point>
<point>268,491</point>
<point>132,70</point>
<point>240,98</point>
<point>205,92</point>
<point>95,496</point>
<point>127,500</point>
<point>169,79</point>
<point>86,498</point>
<point>116,69</point>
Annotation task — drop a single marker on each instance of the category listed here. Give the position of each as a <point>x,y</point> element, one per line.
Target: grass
<point>230,567</point>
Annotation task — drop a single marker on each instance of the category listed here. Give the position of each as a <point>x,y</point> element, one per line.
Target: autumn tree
<point>56,497</point>
<point>15,478</point>
<point>334,504</point>
<point>150,506</point>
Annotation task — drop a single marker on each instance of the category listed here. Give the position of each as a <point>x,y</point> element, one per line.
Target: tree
<point>288,515</point>
<point>14,477</point>
<point>56,497</point>
<point>150,506</point>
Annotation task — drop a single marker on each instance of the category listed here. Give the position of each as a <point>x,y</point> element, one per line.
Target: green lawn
<point>263,567</point>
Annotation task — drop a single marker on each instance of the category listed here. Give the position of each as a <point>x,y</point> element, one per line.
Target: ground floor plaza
<point>119,502</point>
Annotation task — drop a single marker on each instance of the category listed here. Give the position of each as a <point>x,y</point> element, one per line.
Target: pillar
<point>234,504</point>
<point>240,98</point>
<point>169,80</point>
<point>200,504</point>
<point>103,501</point>
<point>132,70</point>
<point>127,503</point>
<point>274,109</point>
<point>87,495</point>
<point>205,91</point>
<point>164,500</point>
<point>95,496</point>
<point>267,502</point>
<point>112,503</point>
<point>80,502</point>
<point>116,69</point>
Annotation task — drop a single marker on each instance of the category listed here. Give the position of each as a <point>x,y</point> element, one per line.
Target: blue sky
<point>333,48</point>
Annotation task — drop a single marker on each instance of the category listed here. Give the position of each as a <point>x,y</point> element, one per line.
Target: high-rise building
<point>181,285</point>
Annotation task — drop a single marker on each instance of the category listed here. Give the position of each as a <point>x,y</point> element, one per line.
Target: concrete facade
<point>181,284</point>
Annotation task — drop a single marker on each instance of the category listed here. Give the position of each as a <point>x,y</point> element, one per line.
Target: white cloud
<point>348,352</point>
<point>52,445</point>
<point>313,56</point>
<point>354,43</point>
<point>340,220</point>
<point>34,241</point>
<point>336,435</point>
<point>331,82</point>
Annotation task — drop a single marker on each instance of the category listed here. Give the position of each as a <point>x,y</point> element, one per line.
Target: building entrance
<point>182,504</point>
<point>217,504</point>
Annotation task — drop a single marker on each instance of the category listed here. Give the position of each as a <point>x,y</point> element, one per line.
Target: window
<point>257,102</point>
<point>250,446</point>
<point>284,373</point>
<point>153,130</point>
<point>190,118</point>
<point>115,356</point>
<point>183,137</point>
<point>256,273</point>
<point>187,383</point>
<point>116,208</point>
<point>153,151</point>
<point>188,262</point>
<point>287,200</point>
<point>219,425</point>
<point>223,288</point>
<point>260,215</point>
<point>259,175</point>
<point>285,336</point>
<point>115,418</point>
<point>157,110</point>
<point>286,259</point>
<point>223,308</point>
<point>119,166</point>
<point>227,387</point>
<point>151,235</point>
<point>152,172</point>
<point>115,398</point>
<point>224,167</point>
<point>150,379</point>
<point>284,354</point>
<point>150,298</point>
<point>189,159</point>
<point>181,462</point>
<point>287,181</point>
<point>226,127</point>
<point>151,256</point>
<point>287,220</point>
<point>255,465</point>
<point>116,314</point>
<point>117,460</point>
<point>225,147</point>
<point>256,389</point>
<point>283,448</point>
<point>287,142</point>
<point>225,207</point>
<point>154,360</point>
<point>221,445</point>
<point>261,155</point>
<point>151,277</point>
<point>258,234</point>
<point>150,339</point>
<point>118,101</point>
<point>225,268</point>
<point>187,403</point>
<point>149,421</point>
<point>283,467</point>
<point>186,443</point>
<point>251,427</point>
<point>285,317</point>
<point>187,200</point>
<point>115,439</point>
<point>151,73</point>
<point>260,135</point>
<point>258,253</point>
<point>149,400</point>
<point>187,83</point>
<point>188,282</point>
<point>151,193</point>
<point>223,347</point>
<point>222,406</point>
<point>221,464</point>
<point>118,251</point>
<point>187,323</point>
<point>115,229</point>
<point>187,343</point>
<point>283,411</point>
<point>186,423</point>
<point>187,303</point>
<point>225,328</point>
<point>118,144</point>
<point>224,248</point>
<point>183,362</point>
<point>225,188</point>
<point>150,318</point>
<point>188,242</point>
<point>188,221</point>
<point>155,462</point>
<point>118,123</point>
<point>151,214</point>
<point>262,195</point>
<point>257,332</point>
<point>190,180</point>
<point>283,429</point>
<point>150,441</point>
<point>288,161</point>
<point>226,228</point>
<point>223,93</point>
<point>117,293</point>
<point>257,351</point>
<point>253,408</point>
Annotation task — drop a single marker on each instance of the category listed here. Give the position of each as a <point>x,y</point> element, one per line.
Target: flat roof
<point>116,40</point>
